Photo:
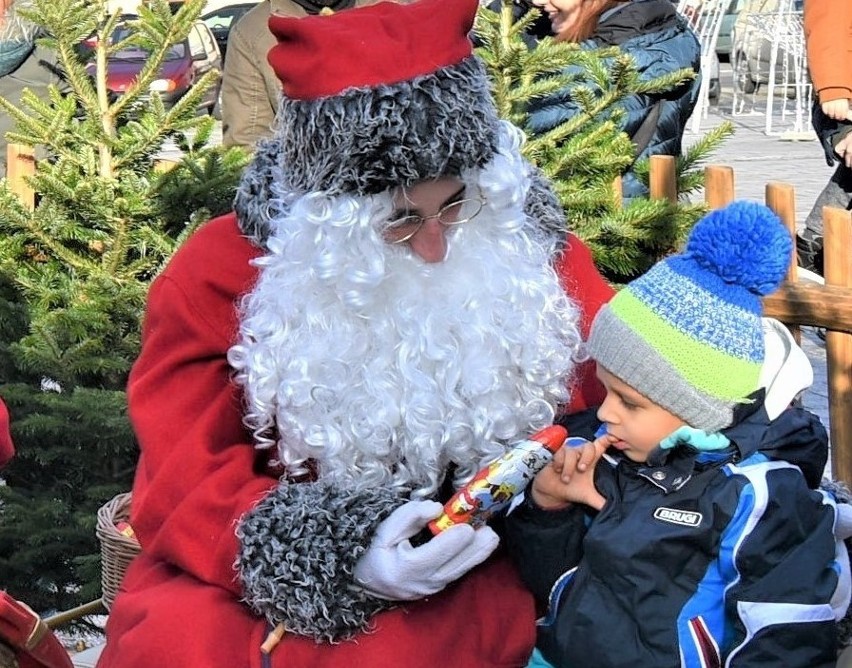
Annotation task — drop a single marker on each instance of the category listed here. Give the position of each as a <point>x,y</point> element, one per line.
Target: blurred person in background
<point>828,39</point>
<point>250,89</point>
<point>660,41</point>
<point>7,448</point>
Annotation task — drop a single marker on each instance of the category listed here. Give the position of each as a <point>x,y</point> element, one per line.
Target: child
<point>686,535</point>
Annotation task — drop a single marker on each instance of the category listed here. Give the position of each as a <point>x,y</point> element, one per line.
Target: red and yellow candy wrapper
<point>497,484</point>
<point>125,529</point>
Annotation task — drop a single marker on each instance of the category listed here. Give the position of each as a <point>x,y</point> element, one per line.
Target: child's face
<point>637,422</point>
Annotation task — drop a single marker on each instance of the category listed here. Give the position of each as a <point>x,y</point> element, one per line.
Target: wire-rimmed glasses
<point>403,229</point>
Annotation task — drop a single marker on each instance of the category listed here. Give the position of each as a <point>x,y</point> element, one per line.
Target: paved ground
<point>758,158</point>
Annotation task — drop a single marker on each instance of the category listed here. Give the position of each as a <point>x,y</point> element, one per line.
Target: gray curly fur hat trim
<point>251,203</point>
<point>543,205</point>
<point>370,140</point>
<point>298,548</point>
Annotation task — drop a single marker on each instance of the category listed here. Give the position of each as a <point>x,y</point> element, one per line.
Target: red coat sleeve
<point>828,37</point>
<point>589,291</point>
<point>198,471</point>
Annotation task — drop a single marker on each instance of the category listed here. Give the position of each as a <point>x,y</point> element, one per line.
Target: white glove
<point>392,569</point>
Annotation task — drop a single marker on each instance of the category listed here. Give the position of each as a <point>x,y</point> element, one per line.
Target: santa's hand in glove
<point>393,569</point>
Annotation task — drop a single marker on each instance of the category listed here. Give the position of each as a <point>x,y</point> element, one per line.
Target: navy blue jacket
<point>661,42</point>
<point>696,559</point>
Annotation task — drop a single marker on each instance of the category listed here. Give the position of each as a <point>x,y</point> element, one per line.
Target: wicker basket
<point>117,550</point>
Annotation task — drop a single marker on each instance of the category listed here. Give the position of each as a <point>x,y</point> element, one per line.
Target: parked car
<point>751,46</point>
<point>185,63</point>
<point>221,20</point>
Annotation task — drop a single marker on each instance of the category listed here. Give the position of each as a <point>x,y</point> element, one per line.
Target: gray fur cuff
<point>298,549</point>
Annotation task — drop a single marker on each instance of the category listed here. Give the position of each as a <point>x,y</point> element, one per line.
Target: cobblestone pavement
<point>758,159</point>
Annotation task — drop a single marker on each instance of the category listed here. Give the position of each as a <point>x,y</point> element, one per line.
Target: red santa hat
<point>389,43</point>
<point>380,96</point>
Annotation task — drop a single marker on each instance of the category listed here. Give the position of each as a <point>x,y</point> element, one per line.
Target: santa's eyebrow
<point>416,212</point>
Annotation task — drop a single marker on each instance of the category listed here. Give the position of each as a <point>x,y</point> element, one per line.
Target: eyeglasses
<point>403,229</point>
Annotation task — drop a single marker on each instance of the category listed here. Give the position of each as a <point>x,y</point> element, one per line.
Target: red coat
<point>199,473</point>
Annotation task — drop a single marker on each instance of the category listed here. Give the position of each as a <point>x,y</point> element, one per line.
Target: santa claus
<point>394,302</point>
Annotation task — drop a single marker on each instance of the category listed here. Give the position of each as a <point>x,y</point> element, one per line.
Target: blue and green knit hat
<point>687,334</point>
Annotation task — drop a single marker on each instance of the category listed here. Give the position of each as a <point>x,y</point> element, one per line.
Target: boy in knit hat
<point>686,535</point>
<point>393,304</point>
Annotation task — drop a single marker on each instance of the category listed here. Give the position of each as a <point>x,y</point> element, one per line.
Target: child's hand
<point>837,110</point>
<point>569,478</point>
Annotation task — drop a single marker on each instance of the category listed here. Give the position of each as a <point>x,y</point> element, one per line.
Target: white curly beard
<point>380,369</point>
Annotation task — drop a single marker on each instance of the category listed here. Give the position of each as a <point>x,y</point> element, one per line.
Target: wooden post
<point>164,165</point>
<point>718,185</point>
<point>838,345</point>
<point>663,177</point>
<point>811,304</point>
<point>20,163</point>
<point>617,192</point>
<point>781,198</point>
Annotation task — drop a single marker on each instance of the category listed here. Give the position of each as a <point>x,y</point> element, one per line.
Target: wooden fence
<point>796,303</point>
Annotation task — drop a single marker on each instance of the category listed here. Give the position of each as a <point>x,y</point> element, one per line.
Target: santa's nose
<point>430,242</point>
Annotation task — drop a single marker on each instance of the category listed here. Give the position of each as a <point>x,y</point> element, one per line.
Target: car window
<point>133,52</point>
<point>222,20</point>
<point>196,43</point>
<point>207,40</point>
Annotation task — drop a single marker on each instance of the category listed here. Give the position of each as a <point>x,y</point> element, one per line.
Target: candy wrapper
<point>493,488</point>
<point>125,529</point>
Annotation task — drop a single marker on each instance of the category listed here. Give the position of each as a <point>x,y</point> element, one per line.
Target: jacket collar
<point>630,19</point>
<point>796,436</point>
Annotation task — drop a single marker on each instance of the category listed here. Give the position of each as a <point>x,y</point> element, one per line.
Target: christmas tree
<point>74,274</point>
<point>585,155</point>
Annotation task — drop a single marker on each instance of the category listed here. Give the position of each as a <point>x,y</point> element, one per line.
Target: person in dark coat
<point>660,41</point>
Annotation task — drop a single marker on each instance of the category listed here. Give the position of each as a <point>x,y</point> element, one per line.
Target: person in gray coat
<point>250,89</point>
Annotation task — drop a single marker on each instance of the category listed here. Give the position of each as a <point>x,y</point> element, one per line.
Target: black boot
<point>809,251</point>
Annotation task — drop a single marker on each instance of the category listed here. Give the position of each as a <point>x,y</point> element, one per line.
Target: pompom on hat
<point>688,334</point>
<point>380,96</point>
